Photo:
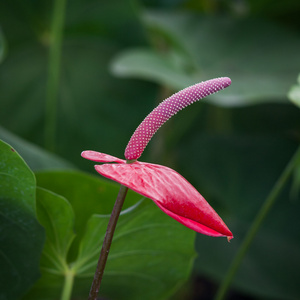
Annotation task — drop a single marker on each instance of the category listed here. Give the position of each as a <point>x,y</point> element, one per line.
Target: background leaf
<point>150,258</point>
<point>153,66</point>
<point>88,195</point>
<point>151,255</point>
<point>294,93</point>
<point>57,217</point>
<point>249,51</point>
<point>51,206</point>
<point>36,157</point>
<point>22,237</point>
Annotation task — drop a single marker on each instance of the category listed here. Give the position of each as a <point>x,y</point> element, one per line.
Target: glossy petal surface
<point>171,192</point>
<point>101,157</point>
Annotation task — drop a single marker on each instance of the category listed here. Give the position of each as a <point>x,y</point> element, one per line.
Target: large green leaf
<point>151,254</point>
<point>55,209</point>
<point>87,193</point>
<point>249,51</point>
<point>150,65</point>
<point>150,257</point>
<point>57,217</point>
<point>22,237</point>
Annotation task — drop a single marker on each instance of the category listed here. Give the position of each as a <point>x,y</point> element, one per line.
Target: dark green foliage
<point>22,237</point>
<point>119,59</point>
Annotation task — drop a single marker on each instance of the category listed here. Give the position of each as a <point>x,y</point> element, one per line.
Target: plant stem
<point>68,285</point>
<point>270,200</point>
<point>56,36</point>
<point>107,242</point>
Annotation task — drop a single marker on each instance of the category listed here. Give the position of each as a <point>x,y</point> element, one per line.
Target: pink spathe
<point>172,193</point>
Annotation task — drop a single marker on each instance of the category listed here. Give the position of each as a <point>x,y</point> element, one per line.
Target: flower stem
<point>68,285</point>
<point>53,72</point>
<point>107,242</point>
<point>270,200</point>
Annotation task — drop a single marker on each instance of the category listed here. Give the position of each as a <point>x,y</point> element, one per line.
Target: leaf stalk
<point>68,285</point>
<point>54,72</point>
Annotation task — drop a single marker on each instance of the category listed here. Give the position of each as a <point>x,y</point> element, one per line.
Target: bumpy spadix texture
<point>167,109</point>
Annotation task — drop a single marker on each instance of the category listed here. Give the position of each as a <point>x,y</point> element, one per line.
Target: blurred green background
<point>119,59</point>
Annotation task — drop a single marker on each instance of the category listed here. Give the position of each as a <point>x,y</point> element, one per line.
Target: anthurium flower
<point>172,193</point>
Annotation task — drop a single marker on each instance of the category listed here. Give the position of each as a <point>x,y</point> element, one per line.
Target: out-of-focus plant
<point>238,141</point>
<point>294,93</point>
<point>2,46</point>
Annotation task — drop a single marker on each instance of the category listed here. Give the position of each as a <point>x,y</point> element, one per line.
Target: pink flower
<point>173,194</point>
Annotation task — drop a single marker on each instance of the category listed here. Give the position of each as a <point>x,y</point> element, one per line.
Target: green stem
<point>68,285</point>
<point>53,72</point>
<point>107,242</point>
<point>270,200</point>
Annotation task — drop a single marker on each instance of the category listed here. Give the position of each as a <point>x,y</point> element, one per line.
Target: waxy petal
<point>171,192</point>
<point>101,157</point>
<point>166,109</point>
<point>196,226</point>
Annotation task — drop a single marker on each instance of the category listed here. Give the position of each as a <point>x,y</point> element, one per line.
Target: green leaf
<point>22,237</point>
<point>57,217</point>
<point>87,193</point>
<point>149,65</point>
<point>35,157</point>
<point>294,93</point>
<point>55,209</point>
<point>249,51</point>
<point>151,254</point>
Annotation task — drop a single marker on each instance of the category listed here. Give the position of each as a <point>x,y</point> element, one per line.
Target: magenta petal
<point>101,157</point>
<point>171,192</point>
<point>190,223</point>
